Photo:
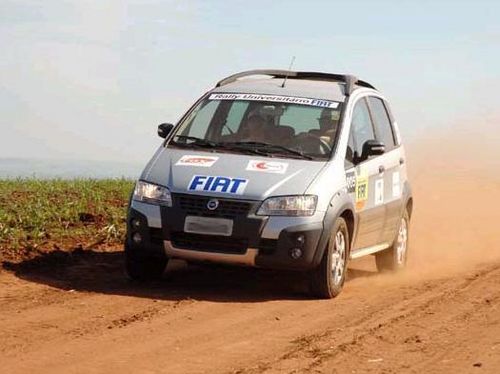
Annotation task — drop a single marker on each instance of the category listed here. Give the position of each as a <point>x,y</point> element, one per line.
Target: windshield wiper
<point>194,141</point>
<point>236,146</point>
<point>258,148</point>
<point>198,142</point>
<point>271,148</point>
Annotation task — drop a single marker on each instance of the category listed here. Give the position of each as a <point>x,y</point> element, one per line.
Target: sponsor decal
<point>361,191</point>
<point>208,183</point>
<point>276,98</point>
<point>267,166</point>
<point>193,160</point>
<point>379,191</point>
<point>350,181</point>
<point>396,185</point>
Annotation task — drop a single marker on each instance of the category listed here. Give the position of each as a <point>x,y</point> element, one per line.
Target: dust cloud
<point>455,176</point>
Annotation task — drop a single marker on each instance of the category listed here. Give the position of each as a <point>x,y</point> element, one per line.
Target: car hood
<point>230,175</point>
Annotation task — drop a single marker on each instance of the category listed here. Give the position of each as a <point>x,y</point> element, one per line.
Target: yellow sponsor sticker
<point>361,191</point>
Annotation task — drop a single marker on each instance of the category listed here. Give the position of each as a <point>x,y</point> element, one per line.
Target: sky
<point>91,80</point>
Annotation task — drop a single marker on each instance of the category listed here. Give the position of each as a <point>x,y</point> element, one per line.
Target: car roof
<point>316,85</point>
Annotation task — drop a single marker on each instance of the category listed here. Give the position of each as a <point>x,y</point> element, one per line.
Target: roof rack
<point>350,81</point>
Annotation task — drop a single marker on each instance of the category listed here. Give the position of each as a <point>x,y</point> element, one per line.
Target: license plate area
<point>208,225</point>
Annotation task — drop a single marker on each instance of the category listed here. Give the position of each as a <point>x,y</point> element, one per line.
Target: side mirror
<point>164,129</point>
<point>372,148</point>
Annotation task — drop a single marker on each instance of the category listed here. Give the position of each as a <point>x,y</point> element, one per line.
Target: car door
<point>365,179</point>
<point>392,161</point>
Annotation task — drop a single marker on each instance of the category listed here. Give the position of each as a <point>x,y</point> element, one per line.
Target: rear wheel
<point>395,257</point>
<point>143,268</point>
<point>327,280</point>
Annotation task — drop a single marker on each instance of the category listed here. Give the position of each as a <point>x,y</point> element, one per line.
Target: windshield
<point>270,125</point>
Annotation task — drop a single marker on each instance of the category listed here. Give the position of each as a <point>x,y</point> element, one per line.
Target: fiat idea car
<point>276,169</point>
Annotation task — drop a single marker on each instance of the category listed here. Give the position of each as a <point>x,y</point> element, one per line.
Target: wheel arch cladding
<point>408,199</point>
<point>409,206</point>
<point>348,216</point>
<point>341,205</point>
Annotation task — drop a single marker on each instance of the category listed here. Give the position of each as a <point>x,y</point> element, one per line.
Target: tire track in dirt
<point>323,350</point>
<point>61,317</point>
<point>230,335</point>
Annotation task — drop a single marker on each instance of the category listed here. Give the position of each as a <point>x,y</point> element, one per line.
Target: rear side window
<point>383,126</point>
<point>361,127</point>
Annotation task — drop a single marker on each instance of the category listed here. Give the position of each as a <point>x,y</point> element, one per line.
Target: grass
<point>39,215</point>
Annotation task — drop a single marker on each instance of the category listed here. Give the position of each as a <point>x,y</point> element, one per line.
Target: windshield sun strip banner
<point>276,98</point>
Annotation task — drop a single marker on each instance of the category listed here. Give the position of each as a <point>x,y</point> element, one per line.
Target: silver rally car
<point>276,169</point>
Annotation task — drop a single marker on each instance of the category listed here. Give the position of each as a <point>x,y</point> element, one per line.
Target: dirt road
<point>76,314</point>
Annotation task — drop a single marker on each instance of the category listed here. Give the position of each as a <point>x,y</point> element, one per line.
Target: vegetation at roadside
<point>41,215</point>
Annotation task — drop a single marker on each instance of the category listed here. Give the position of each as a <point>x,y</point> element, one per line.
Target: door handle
<point>401,161</point>
<point>381,169</point>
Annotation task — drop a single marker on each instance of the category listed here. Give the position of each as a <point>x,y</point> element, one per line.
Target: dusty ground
<point>76,313</point>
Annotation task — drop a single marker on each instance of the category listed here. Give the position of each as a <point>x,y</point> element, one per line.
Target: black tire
<point>142,268</point>
<point>395,258</point>
<point>327,282</point>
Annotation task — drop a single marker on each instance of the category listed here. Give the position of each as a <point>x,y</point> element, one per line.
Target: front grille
<point>197,206</point>
<point>209,243</point>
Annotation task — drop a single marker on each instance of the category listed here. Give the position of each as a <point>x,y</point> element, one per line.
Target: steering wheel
<point>310,143</point>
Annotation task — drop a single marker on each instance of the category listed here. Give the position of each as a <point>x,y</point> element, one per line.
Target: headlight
<point>152,193</point>
<point>301,205</point>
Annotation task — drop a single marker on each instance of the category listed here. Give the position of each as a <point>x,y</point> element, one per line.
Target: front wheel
<point>327,280</point>
<point>395,257</point>
<point>142,268</point>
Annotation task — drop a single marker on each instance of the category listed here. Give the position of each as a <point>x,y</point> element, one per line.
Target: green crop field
<point>41,215</point>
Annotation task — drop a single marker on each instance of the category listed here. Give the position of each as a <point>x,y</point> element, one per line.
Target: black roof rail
<point>350,81</point>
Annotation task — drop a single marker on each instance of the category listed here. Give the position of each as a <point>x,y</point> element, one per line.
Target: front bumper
<point>265,242</point>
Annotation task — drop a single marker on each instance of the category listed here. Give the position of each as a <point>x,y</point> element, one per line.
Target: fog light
<point>137,238</point>
<point>301,239</point>
<point>295,253</point>
<point>136,223</point>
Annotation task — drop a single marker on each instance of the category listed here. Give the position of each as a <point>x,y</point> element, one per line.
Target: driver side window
<point>361,128</point>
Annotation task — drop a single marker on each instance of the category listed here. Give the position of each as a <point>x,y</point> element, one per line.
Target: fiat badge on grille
<point>212,204</point>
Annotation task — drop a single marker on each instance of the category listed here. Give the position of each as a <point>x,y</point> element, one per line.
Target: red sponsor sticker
<point>267,166</point>
<point>191,160</point>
